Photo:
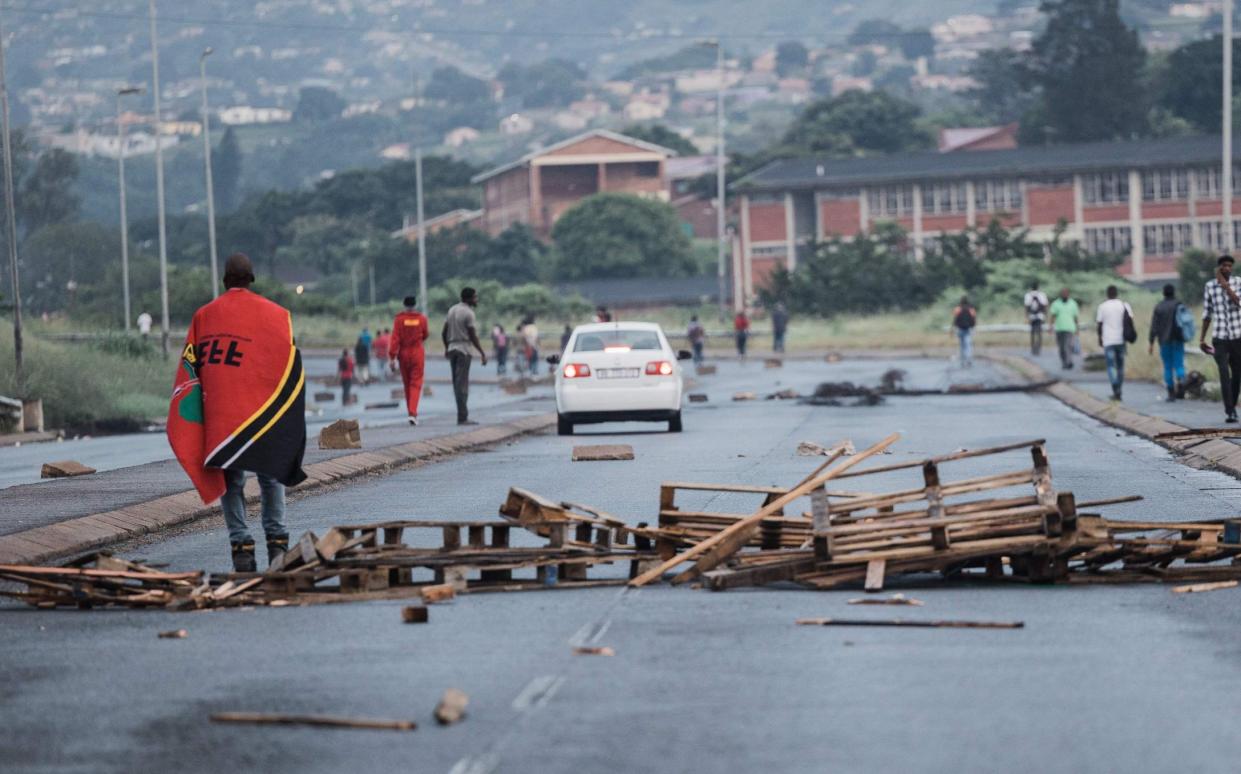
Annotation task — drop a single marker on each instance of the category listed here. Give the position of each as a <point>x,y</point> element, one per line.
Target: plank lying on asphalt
<point>600,452</point>
<point>1200,434</point>
<point>942,624</point>
<point>1194,588</point>
<point>279,718</point>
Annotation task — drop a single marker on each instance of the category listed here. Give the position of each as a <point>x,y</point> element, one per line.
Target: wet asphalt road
<point>1101,679</point>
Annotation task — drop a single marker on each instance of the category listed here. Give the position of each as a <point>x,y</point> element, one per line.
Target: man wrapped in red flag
<point>409,331</point>
<point>239,405</point>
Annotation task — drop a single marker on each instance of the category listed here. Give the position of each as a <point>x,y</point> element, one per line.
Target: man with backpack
<point>964,318</point>
<point>1114,325</point>
<point>1173,325</point>
<point>1036,314</point>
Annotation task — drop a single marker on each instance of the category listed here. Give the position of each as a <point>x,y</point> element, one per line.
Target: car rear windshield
<point>621,338</point>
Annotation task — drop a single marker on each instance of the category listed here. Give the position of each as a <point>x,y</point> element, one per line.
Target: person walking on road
<point>344,371</point>
<point>779,324</point>
<point>1221,306</point>
<point>1036,314</point>
<point>379,347</point>
<point>1114,325</point>
<point>1172,325</point>
<point>144,325</point>
<point>459,334</point>
<point>499,347</point>
<point>964,318</point>
<point>565,335</point>
<point>409,331</point>
<point>741,327</point>
<point>362,356</point>
<point>530,338</point>
<point>238,405</point>
<point>697,335</point>
<point>1064,312</point>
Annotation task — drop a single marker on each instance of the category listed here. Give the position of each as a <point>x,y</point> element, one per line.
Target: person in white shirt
<point>1036,313</point>
<point>1111,326</point>
<point>144,324</point>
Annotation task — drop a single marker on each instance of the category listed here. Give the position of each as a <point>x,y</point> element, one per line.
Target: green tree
<point>1189,84</point>
<point>791,57</point>
<point>857,122</point>
<point>661,135</point>
<point>693,57</point>
<point>917,43</point>
<point>452,85</point>
<point>60,253</point>
<point>553,83</point>
<point>1004,92</point>
<point>1195,268</point>
<point>875,31</point>
<point>316,103</point>
<point>1089,64</point>
<point>614,235</point>
<point>46,195</point>
<point>226,164</point>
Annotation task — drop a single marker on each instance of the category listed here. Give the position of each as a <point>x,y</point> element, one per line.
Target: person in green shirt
<point>1063,312</point>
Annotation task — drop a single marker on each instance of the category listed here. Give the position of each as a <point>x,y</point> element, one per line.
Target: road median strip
<point>84,533</point>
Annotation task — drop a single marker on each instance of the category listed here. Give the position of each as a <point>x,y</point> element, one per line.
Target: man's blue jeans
<point>965,336</point>
<point>1173,356</point>
<point>234,504</point>
<point>1115,356</point>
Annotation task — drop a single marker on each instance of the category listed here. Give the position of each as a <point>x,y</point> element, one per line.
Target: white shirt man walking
<point>1036,313</point>
<point>1114,333</point>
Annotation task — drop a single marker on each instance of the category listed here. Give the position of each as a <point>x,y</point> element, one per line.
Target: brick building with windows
<point>540,186</point>
<point>1146,200</point>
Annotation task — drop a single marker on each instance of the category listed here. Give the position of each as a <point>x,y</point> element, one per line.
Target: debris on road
<point>438,593</point>
<point>1200,434</point>
<point>705,370</point>
<point>414,614</point>
<point>64,469</point>
<point>786,394</point>
<point>602,452</point>
<point>911,623</point>
<point>385,404</point>
<point>895,599</point>
<point>1195,588</point>
<point>451,708</point>
<point>397,393</point>
<point>325,396</point>
<point>513,387</point>
<point>697,397</point>
<point>773,362</point>
<point>745,396</point>
<point>341,434</point>
<point>277,718</point>
<point>175,634</point>
<point>830,394</point>
<point>593,650</point>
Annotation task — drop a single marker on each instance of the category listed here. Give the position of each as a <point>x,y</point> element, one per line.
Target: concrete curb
<point>1217,453</point>
<point>42,544</point>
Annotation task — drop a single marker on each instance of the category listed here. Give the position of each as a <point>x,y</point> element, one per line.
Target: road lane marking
<point>480,764</point>
<point>538,692</point>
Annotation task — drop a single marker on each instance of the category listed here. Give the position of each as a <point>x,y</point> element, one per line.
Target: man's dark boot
<point>1171,394</point>
<point>243,557</point>
<point>276,548</point>
<point>1180,390</point>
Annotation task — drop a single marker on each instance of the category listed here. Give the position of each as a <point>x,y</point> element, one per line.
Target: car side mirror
<point>553,359</point>
<point>684,354</point>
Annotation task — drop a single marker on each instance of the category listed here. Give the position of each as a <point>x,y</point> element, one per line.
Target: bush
<point>1195,268</point>
<point>501,303</point>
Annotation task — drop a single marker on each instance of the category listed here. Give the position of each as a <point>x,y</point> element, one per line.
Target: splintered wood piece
<point>895,599</point>
<point>440,593</point>
<point>593,651</point>
<point>452,706</point>
<point>600,452</point>
<point>697,397</point>
<point>1200,434</point>
<point>64,469</point>
<point>414,614</point>
<point>911,623</point>
<point>1194,588</point>
<point>745,396</point>
<point>875,570</point>
<point>279,718</point>
<point>180,634</point>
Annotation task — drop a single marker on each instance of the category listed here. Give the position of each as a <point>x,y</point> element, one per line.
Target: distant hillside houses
<point>240,115</point>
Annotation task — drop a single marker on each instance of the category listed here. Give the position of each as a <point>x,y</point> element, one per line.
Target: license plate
<point>619,373</point>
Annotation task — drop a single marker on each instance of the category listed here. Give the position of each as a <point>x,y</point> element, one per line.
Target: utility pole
<point>215,260</point>
<point>120,174</point>
<point>1226,180</point>
<point>422,237</point>
<point>159,186</point>
<point>720,231</point>
<point>10,219</point>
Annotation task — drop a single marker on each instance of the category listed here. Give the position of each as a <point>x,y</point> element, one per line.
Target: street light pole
<point>215,260</point>
<point>120,174</point>
<point>422,237</point>
<point>1226,181</point>
<point>720,235</point>
<point>10,219</point>
<point>159,185</point>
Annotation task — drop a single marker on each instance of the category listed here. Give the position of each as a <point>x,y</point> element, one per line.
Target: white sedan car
<point>618,372</point>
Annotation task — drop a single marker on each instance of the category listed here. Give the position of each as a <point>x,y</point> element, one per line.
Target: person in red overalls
<point>409,330</point>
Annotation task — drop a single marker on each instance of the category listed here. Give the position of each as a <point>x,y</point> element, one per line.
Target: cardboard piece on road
<point>325,396</point>
<point>384,404</point>
<point>601,452</point>
<point>451,708</point>
<point>697,397</point>
<point>341,434</point>
<point>773,362</point>
<point>705,370</point>
<point>439,593</point>
<point>745,396</point>
<point>411,614</point>
<point>64,469</point>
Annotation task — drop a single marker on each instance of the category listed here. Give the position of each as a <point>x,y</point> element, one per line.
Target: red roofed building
<point>978,138</point>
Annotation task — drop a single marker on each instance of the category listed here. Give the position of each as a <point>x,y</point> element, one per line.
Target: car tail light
<point>659,368</point>
<point>576,370</point>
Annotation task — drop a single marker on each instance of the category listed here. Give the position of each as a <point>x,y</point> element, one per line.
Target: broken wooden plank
<point>875,570</point>
<point>279,718</point>
<point>439,593</point>
<point>451,707</point>
<point>602,452</point>
<point>895,599</point>
<point>412,614</point>
<point>593,650</point>
<point>941,624</point>
<point>1194,588</point>
<point>64,469</point>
